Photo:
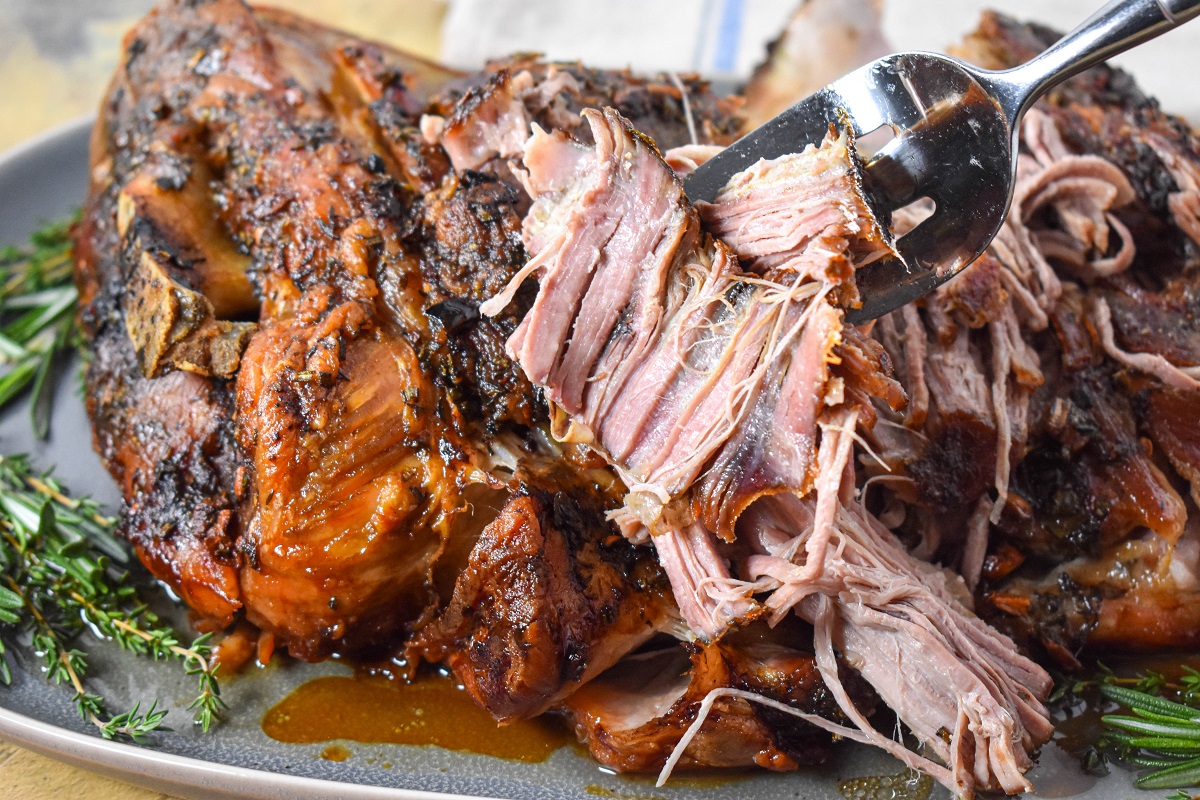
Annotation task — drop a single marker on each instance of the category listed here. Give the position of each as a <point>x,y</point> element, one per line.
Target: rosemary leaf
<point>1186,773</point>
<point>43,385</point>
<point>1162,735</point>
<point>1150,728</point>
<point>1147,702</point>
<point>37,318</point>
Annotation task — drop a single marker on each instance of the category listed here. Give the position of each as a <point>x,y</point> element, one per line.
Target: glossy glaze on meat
<point>292,382</point>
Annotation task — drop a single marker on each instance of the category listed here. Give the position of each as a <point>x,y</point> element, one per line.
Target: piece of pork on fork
<point>955,144</point>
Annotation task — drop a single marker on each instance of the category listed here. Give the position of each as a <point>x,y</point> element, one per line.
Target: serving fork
<point>956,131</point>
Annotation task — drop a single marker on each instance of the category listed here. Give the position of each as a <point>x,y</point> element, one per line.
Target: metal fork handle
<point>1117,27</point>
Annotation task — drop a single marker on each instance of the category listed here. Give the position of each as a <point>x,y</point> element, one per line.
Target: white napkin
<point>727,38</point>
<point>717,38</point>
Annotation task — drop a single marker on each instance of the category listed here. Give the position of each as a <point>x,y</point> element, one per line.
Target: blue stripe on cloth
<point>729,36</point>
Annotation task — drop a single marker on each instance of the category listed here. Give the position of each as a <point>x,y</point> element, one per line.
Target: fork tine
<point>952,145</point>
<point>805,123</point>
<point>931,253</point>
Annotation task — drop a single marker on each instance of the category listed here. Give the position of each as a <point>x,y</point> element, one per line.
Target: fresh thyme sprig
<point>61,568</point>
<point>37,318</point>
<point>60,575</point>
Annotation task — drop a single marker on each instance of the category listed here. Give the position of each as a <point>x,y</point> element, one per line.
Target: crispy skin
<point>168,443</point>
<point>217,140</point>
<point>343,525</point>
<point>1080,500</point>
<point>257,159</point>
<point>1087,482</point>
<point>1086,487</point>
<point>469,239</point>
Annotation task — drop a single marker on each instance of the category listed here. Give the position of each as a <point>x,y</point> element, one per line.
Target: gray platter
<point>46,179</point>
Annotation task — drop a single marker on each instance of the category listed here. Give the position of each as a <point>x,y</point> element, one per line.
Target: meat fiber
<point>1071,345</point>
<point>714,390</point>
<point>658,352</point>
<point>487,118</point>
<point>312,425</point>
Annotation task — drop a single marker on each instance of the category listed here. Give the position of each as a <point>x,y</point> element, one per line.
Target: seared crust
<point>540,592</point>
<point>292,383</point>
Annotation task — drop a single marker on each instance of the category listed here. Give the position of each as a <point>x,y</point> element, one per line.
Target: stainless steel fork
<point>956,128</point>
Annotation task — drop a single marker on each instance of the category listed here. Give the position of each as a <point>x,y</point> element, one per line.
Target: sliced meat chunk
<point>710,389</point>
<point>654,346</point>
<point>549,599</point>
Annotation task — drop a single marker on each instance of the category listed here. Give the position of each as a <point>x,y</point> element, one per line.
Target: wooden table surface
<point>56,57</point>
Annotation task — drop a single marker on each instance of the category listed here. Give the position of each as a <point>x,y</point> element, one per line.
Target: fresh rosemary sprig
<point>37,318</point>
<point>1161,732</point>
<point>60,576</point>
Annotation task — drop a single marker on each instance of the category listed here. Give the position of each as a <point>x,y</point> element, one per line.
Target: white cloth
<point>727,38</point>
<point>717,38</point>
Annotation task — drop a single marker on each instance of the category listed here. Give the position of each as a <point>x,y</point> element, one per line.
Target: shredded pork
<point>705,355</point>
<point>968,345</point>
<point>333,445</point>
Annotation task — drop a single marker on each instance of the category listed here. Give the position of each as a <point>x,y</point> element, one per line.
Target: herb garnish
<point>37,318</point>
<point>1161,735</point>
<point>59,575</point>
<point>61,567</point>
<point>1161,732</point>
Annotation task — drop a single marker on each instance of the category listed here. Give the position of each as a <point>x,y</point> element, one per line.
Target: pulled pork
<point>669,494</point>
<point>1043,451</point>
<point>705,355</point>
